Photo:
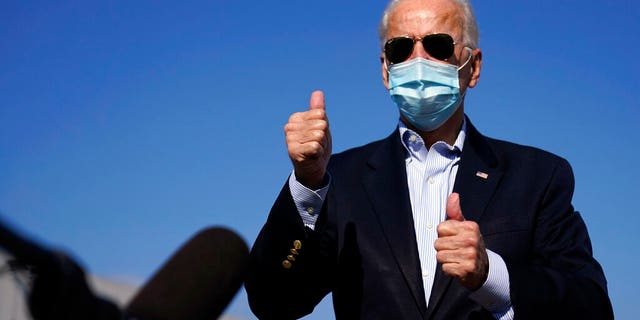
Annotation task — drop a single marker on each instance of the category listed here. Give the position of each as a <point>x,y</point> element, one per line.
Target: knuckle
<point>314,148</point>
<point>472,226</point>
<point>318,135</point>
<point>289,127</point>
<point>290,144</point>
<point>290,136</point>
<point>470,253</point>
<point>471,242</point>
<point>295,117</point>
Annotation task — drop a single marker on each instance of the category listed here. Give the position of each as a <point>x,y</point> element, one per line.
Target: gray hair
<point>470,29</point>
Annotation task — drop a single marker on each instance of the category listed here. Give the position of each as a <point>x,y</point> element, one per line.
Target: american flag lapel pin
<point>482,175</point>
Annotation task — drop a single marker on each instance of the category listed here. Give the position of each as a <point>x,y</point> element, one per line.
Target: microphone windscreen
<point>197,282</point>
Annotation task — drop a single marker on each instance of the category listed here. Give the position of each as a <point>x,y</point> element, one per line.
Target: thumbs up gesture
<point>460,247</point>
<point>309,142</point>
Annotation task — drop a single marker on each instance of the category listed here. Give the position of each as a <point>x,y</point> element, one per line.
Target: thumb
<point>454,212</point>
<point>317,100</point>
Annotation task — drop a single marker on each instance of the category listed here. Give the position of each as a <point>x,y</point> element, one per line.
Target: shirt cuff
<point>308,202</point>
<point>494,295</point>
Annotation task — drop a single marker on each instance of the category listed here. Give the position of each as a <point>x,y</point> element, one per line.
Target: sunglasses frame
<point>426,47</point>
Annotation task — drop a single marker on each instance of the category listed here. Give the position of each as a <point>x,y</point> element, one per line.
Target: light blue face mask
<point>426,92</point>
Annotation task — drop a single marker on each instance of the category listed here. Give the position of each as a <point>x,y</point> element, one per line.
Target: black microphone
<point>60,289</point>
<point>197,282</point>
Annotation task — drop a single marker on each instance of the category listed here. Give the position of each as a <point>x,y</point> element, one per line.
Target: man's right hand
<point>309,142</point>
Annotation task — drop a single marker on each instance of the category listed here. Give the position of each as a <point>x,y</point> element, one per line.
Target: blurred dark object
<point>197,282</point>
<point>59,289</point>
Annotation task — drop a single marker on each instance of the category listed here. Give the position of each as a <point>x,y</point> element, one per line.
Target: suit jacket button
<point>297,244</point>
<point>286,264</point>
<point>291,258</point>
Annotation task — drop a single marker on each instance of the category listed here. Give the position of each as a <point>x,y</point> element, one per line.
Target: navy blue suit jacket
<point>364,250</point>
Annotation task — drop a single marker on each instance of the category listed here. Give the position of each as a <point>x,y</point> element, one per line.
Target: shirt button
<point>429,225</point>
<point>432,180</point>
<point>310,210</point>
<point>425,274</point>
<point>412,138</point>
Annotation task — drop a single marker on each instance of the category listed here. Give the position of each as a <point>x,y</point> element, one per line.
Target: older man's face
<point>418,18</point>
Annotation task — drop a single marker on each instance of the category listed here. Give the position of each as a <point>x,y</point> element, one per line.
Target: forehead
<point>418,18</point>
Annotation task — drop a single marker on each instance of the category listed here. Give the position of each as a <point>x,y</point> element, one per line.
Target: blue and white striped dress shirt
<point>431,173</point>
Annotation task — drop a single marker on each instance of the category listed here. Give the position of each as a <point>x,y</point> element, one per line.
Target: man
<point>434,222</point>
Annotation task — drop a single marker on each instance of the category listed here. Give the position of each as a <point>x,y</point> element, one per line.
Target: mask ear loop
<point>463,94</point>
<point>386,67</point>
<point>468,59</point>
<point>385,63</point>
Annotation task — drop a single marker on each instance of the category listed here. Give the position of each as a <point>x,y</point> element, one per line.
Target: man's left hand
<point>461,251</point>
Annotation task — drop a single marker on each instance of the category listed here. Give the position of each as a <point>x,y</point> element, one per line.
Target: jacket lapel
<point>478,174</point>
<point>477,178</point>
<point>385,182</point>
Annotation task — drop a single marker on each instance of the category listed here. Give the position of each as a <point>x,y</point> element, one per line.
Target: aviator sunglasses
<point>437,45</point>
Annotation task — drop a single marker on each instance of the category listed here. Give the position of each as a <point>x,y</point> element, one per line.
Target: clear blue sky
<point>126,126</point>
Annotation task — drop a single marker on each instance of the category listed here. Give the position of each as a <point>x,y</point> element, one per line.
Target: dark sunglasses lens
<point>439,46</point>
<point>398,49</point>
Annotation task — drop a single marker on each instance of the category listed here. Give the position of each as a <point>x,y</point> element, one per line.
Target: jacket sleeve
<point>561,279</point>
<point>290,265</point>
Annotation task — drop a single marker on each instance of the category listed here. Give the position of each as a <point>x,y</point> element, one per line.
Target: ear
<point>476,66</point>
<point>385,71</point>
